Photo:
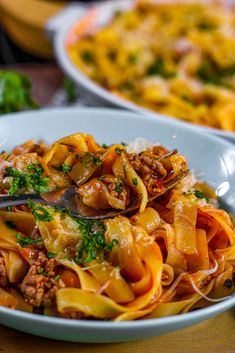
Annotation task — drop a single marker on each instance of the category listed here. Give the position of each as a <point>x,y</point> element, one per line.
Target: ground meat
<point>117,188</point>
<point>39,285</point>
<point>147,164</point>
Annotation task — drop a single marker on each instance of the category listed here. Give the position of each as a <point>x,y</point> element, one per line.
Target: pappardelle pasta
<point>173,57</point>
<point>174,254</point>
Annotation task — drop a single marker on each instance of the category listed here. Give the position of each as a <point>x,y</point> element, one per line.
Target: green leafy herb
<point>15,92</point>
<point>135,181</point>
<point>158,68</point>
<point>65,168</point>
<point>24,241</point>
<point>111,244</point>
<point>70,90</point>
<point>87,56</point>
<point>104,145</point>
<point>93,240</point>
<point>51,255</point>
<point>119,185</point>
<point>56,278</point>
<point>133,58</point>
<point>10,224</point>
<point>208,72</point>
<point>40,213</point>
<point>42,272</point>
<point>200,195</point>
<point>119,151</point>
<point>33,179</point>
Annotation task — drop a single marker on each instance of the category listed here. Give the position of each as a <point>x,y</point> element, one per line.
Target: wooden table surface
<point>216,335</point>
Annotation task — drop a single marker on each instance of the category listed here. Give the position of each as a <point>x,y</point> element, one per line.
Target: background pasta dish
<point>173,58</point>
<point>174,254</point>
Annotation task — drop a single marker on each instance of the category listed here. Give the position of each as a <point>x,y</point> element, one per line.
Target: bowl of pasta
<point>164,264</point>
<point>175,58</point>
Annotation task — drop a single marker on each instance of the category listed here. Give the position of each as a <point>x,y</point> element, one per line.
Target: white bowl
<point>100,95</point>
<point>211,157</point>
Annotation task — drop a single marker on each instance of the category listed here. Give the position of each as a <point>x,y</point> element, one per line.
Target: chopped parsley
<point>51,255</point>
<point>104,145</point>
<point>87,56</point>
<point>94,160</point>
<point>42,272</point>
<point>119,185</point>
<point>200,195</point>
<point>65,168</point>
<point>93,240</point>
<point>32,179</point>
<point>56,278</point>
<point>158,68</point>
<point>40,213</point>
<point>119,151</point>
<point>133,58</point>
<point>70,90</point>
<point>24,241</point>
<point>135,181</point>
<point>10,224</point>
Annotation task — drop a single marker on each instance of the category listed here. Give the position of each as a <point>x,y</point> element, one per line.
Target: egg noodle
<point>173,254</point>
<point>173,57</point>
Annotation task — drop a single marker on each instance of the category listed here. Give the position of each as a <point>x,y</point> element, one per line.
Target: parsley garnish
<point>119,151</point>
<point>56,278</point>
<point>119,185</point>
<point>135,181</point>
<point>40,213</point>
<point>33,179</point>
<point>87,56</point>
<point>104,145</point>
<point>43,273</point>
<point>15,92</point>
<point>65,168</point>
<point>51,255</point>
<point>158,68</point>
<point>93,240</point>
<point>24,241</point>
<point>200,195</point>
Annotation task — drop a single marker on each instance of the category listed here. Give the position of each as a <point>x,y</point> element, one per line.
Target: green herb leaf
<point>119,185</point>
<point>33,179</point>
<point>200,195</point>
<point>119,151</point>
<point>51,255</point>
<point>70,90</point>
<point>87,56</point>
<point>40,213</point>
<point>56,278</point>
<point>42,272</point>
<point>15,92</point>
<point>24,241</point>
<point>158,68</point>
<point>135,181</point>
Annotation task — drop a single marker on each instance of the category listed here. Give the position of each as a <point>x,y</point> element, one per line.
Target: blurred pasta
<point>176,58</point>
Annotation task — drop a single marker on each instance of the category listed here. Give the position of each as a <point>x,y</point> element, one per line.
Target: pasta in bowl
<point>173,255</point>
<point>174,58</point>
<point>211,159</point>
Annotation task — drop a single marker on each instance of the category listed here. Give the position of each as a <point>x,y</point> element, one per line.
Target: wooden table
<point>216,335</point>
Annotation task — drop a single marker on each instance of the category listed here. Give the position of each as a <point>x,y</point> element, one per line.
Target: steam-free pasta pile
<point>175,58</point>
<point>174,254</point>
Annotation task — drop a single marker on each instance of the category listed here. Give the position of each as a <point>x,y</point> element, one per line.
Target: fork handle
<point>16,200</point>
